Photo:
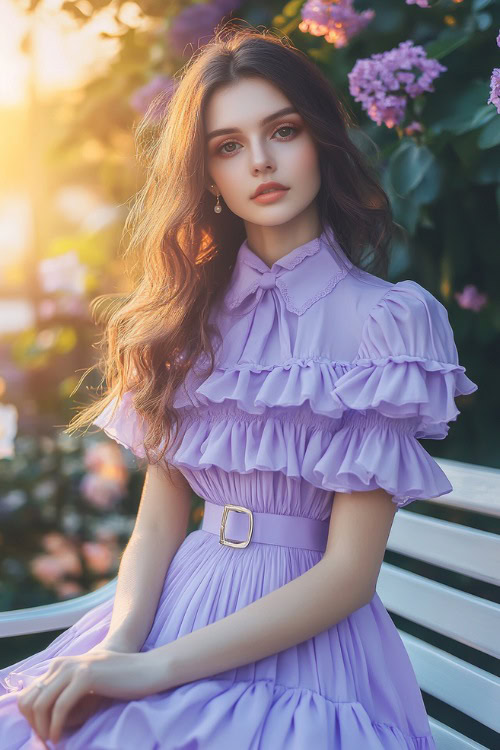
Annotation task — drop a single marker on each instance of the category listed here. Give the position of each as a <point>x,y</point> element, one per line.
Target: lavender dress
<point>326,379</point>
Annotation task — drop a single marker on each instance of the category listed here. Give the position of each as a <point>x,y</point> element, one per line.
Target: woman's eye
<point>286,127</point>
<point>231,143</point>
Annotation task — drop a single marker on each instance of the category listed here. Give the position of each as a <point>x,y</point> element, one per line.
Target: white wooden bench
<point>443,609</point>
<point>467,619</point>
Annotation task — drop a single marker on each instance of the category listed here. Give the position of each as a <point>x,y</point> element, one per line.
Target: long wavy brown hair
<point>186,252</point>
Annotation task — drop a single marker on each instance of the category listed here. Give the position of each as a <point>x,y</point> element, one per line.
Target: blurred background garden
<point>421,79</point>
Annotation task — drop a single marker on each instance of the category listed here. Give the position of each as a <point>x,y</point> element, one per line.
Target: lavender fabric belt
<point>268,528</point>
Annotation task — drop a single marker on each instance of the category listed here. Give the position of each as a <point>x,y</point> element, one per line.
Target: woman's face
<point>252,151</point>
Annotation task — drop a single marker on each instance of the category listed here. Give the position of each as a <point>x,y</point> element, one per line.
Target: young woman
<point>261,364</point>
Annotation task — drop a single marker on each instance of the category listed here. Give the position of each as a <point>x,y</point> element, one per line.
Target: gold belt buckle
<point>225,513</point>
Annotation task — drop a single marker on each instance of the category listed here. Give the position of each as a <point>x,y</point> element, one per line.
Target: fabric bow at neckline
<point>302,276</point>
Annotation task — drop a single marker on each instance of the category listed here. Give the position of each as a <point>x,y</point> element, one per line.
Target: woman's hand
<point>80,684</point>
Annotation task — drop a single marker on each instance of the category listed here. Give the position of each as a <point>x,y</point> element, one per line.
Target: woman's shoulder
<point>406,303</point>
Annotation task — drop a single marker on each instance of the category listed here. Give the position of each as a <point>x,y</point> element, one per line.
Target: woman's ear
<point>213,188</point>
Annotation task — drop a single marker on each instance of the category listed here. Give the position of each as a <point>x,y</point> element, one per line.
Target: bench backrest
<point>458,616</point>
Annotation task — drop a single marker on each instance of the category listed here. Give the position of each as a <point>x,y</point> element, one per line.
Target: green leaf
<point>405,211</point>
<point>490,134</point>
<point>446,43</point>
<point>480,4</point>
<point>467,111</point>
<point>408,165</point>
<point>488,170</point>
<point>430,185</point>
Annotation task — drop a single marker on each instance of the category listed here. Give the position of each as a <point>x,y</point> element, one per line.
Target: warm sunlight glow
<point>64,54</point>
<point>14,227</point>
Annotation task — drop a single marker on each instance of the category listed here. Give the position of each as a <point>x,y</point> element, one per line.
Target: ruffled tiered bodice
<point>326,373</point>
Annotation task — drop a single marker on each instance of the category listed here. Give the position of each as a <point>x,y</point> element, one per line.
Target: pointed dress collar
<point>303,275</point>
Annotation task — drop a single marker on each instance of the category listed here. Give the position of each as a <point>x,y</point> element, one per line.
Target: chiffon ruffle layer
<point>287,700</point>
<point>343,426</point>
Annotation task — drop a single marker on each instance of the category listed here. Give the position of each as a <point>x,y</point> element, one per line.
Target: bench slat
<point>53,616</point>
<point>449,545</point>
<point>447,738</point>
<point>471,690</point>
<point>466,618</point>
<point>475,487</point>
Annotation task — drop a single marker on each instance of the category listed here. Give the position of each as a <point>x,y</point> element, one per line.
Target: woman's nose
<point>260,158</point>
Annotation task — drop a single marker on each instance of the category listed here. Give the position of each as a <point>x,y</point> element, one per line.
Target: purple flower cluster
<point>495,85</point>
<point>384,81</point>
<point>495,89</point>
<point>142,97</point>
<point>420,3</point>
<point>336,20</point>
<point>196,22</point>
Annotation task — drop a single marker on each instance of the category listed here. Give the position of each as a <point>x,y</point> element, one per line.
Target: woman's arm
<point>160,528</point>
<point>344,580</point>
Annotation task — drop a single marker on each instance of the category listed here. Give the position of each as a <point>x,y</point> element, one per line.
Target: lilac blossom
<point>384,81</point>
<point>197,21</point>
<point>420,3</point>
<point>494,97</point>
<point>471,298</point>
<point>336,20</point>
<point>144,96</point>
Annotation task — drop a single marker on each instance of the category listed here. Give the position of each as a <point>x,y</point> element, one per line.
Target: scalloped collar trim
<point>303,275</point>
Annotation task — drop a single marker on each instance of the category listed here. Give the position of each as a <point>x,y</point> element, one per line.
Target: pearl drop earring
<point>217,207</point>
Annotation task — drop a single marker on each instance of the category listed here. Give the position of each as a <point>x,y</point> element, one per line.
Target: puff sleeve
<point>401,387</point>
<point>121,422</point>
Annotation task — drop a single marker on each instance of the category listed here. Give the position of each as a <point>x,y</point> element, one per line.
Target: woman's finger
<point>26,701</point>
<point>28,695</point>
<point>71,694</point>
<point>43,703</point>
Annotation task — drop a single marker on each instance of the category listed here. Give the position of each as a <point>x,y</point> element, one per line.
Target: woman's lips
<point>270,197</point>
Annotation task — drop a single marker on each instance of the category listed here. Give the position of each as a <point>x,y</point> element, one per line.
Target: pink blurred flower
<point>470,298</point>
<point>63,559</point>
<point>413,127</point>
<point>98,455</point>
<point>63,273</point>
<point>8,429</point>
<point>336,20</point>
<point>93,458</point>
<point>106,481</point>
<point>67,589</point>
<point>101,491</point>
<point>99,557</point>
<point>107,536</point>
<point>67,304</point>
<point>384,81</point>
<point>54,542</point>
<point>74,306</point>
<point>420,3</point>
<point>47,309</point>
<point>47,568</point>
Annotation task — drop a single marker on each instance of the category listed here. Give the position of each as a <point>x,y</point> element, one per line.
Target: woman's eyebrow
<point>268,118</point>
